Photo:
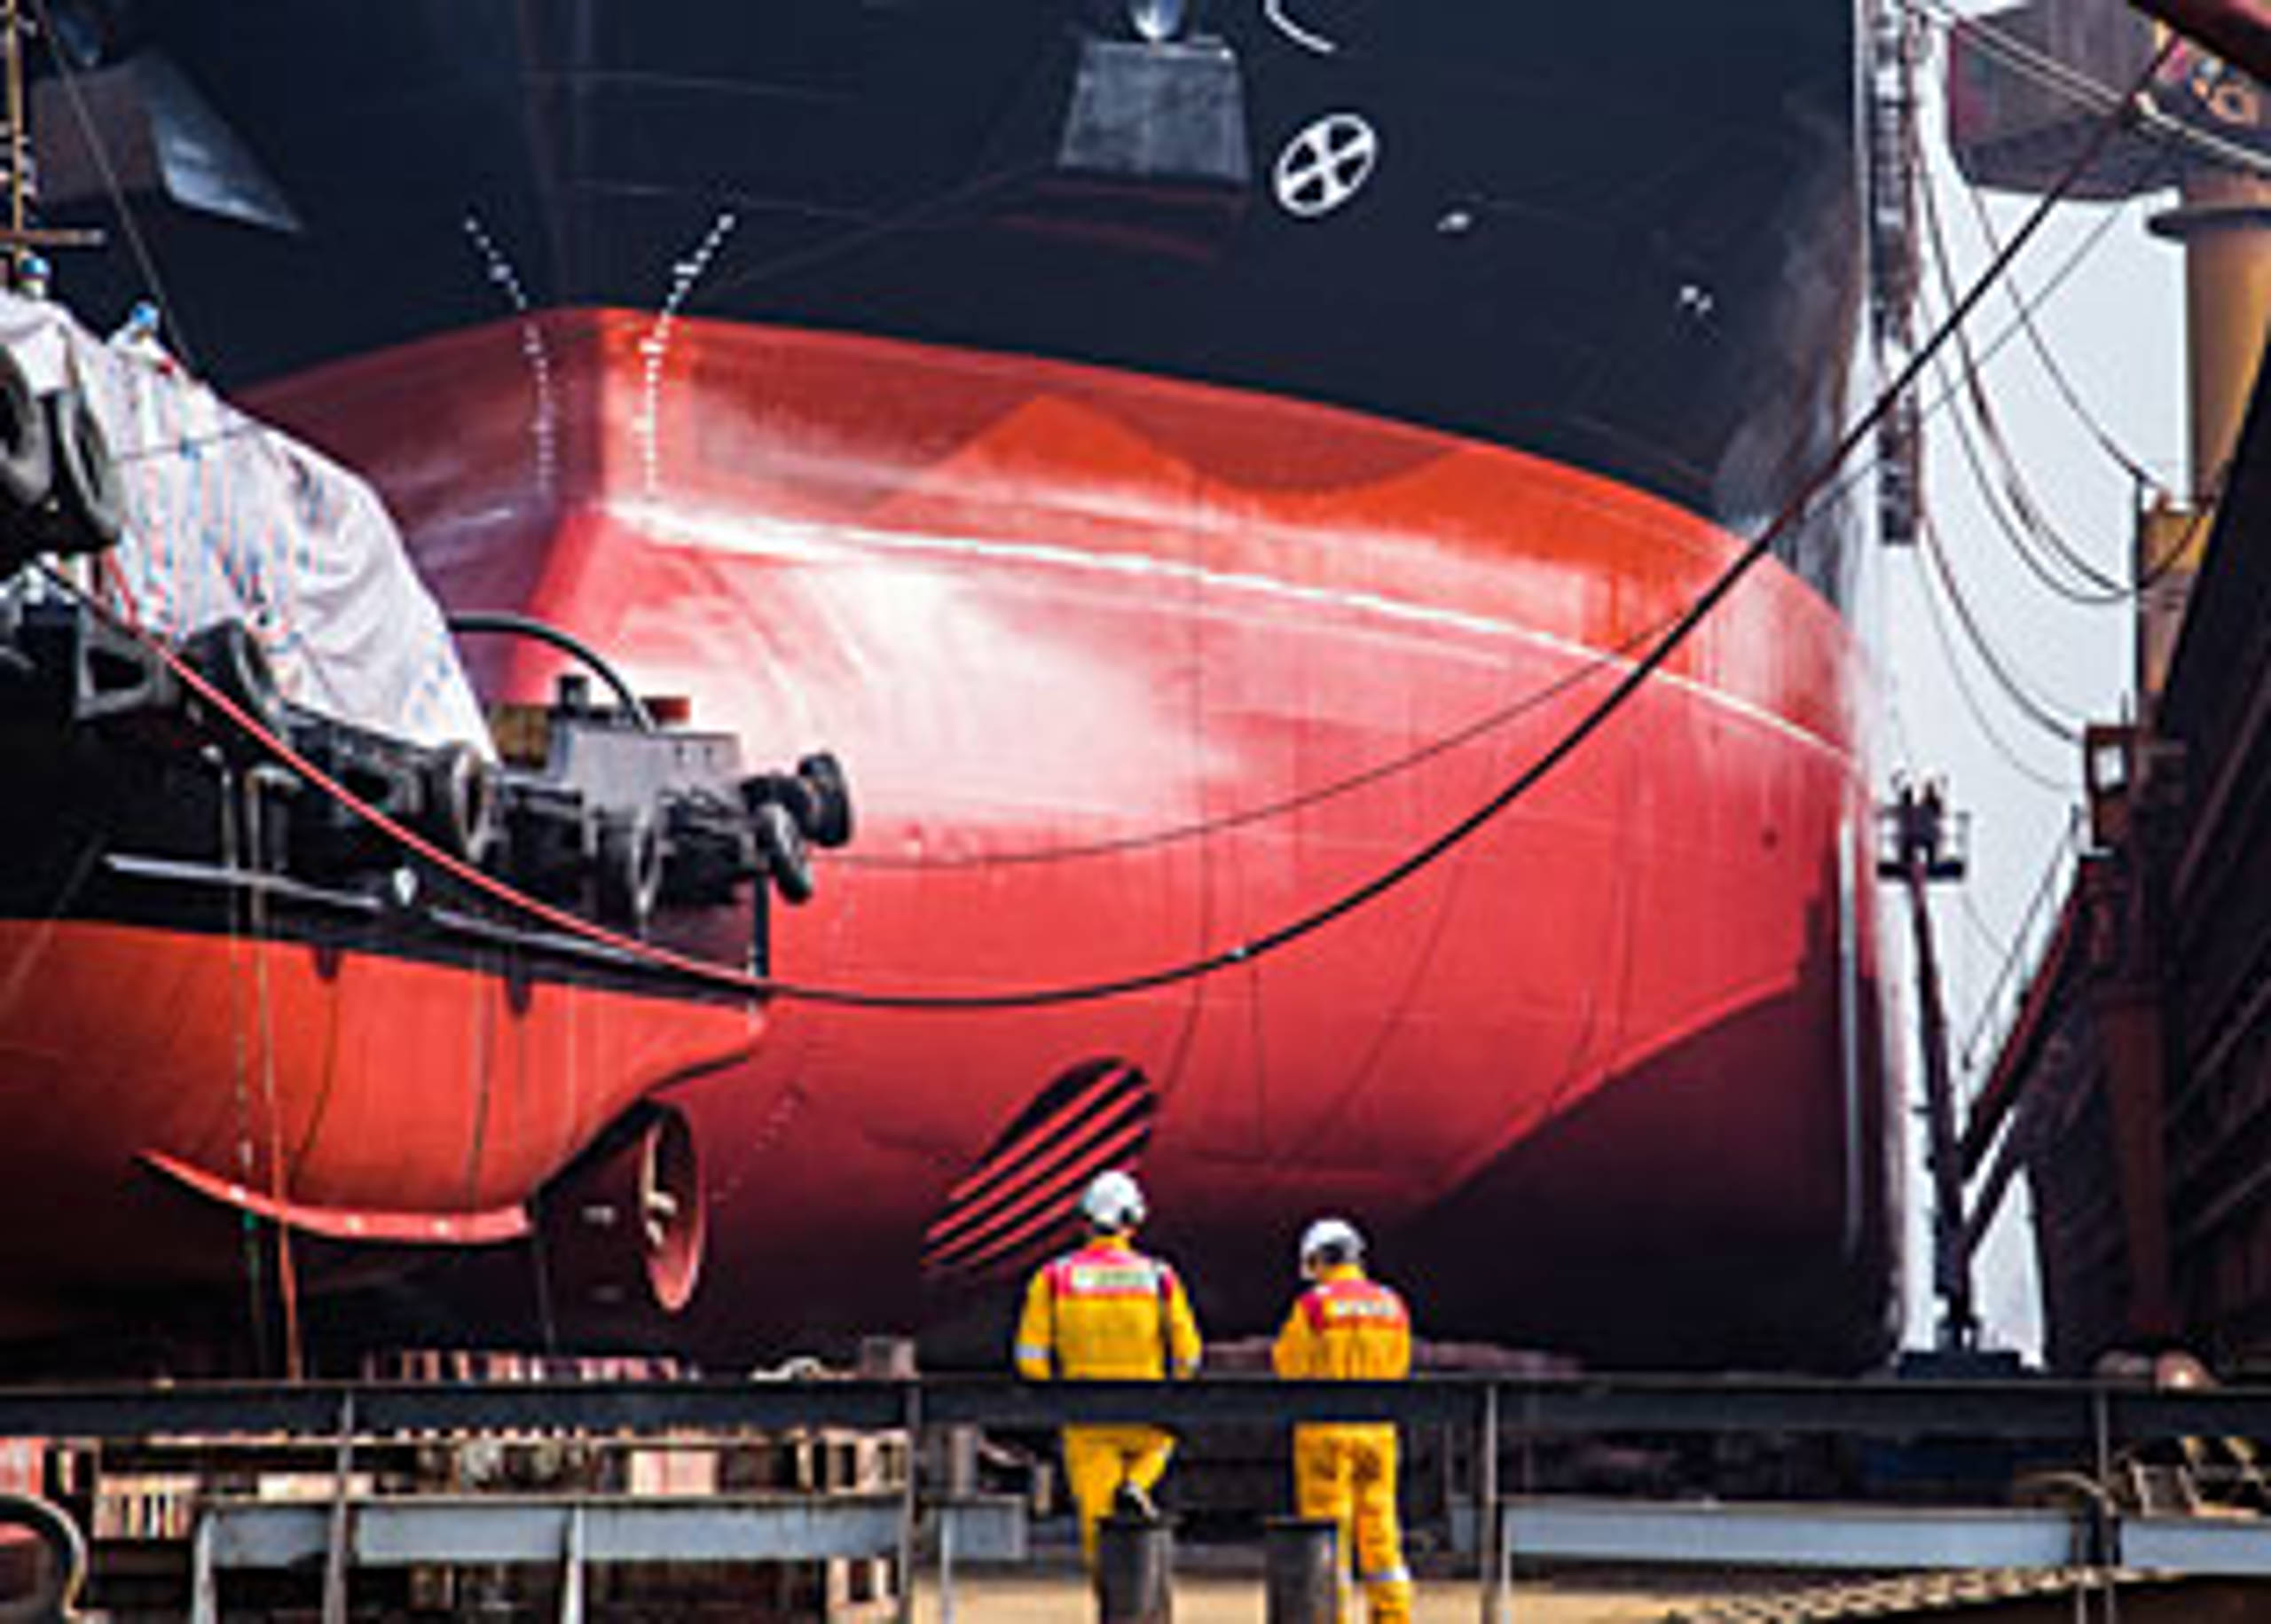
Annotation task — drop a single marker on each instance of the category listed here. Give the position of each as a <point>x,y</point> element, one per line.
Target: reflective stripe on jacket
<point>1345,1328</point>
<point>1106,1312</point>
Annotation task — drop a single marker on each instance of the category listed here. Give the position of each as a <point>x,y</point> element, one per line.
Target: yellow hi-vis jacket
<point>1345,1328</point>
<point>1106,1312</point>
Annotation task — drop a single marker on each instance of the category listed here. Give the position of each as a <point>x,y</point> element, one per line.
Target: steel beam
<point>2050,1411</point>
<point>981,1527</point>
<point>1726,1534</point>
<point>476,1529</point>
<point>2234,1547</point>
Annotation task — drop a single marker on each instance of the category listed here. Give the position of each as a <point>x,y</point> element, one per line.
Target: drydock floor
<point>1683,1597</point>
<point>1231,1599</point>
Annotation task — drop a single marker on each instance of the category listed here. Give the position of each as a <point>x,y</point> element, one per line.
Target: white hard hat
<point>1113,1200</point>
<point>1330,1240</point>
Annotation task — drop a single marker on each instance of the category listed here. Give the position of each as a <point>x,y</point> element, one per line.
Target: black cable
<point>1969,376</point>
<point>2010,758</point>
<point>2025,307</point>
<point>1267,812</point>
<point>2074,261</point>
<point>2138,473</point>
<point>2063,728</point>
<point>2103,590</point>
<point>1991,502</point>
<point>921,212</point>
<point>504,623</point>
<point>2047,890</point>
<point>1699,609</point>
<point>1949,393</point>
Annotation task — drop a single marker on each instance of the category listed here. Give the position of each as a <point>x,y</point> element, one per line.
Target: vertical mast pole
<point>1923,842</point>
<point>1951,1250</point>
<point>11,64</point>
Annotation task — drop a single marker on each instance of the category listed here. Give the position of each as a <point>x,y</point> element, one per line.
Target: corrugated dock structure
<point>2136,1084</point>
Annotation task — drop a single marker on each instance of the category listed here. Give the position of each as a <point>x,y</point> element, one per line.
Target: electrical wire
<point>2034,303</point>
<point>2062,726</point>
<point>2015,532</point>
<point>2080,255</point>
<point>2139,475</point>
<point>2011,757</point>
<point>2033,525</point>
<point>1699,611</point>
<point>1968,378</point>
<point>2049,889</point>
<point>2102,590</point>
<point>1700,608</point>
<point>1268,811</point>
<point>921,212</point>
<point>2025,306</point>
<point>2152,569</point>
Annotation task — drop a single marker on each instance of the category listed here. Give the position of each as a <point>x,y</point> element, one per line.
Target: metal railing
<point>2091,1422</point>
<point>1999,1005</point>
<point>2045,1409</point>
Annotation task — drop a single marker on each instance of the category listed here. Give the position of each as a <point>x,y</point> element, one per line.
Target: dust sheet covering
<point>227,518</point>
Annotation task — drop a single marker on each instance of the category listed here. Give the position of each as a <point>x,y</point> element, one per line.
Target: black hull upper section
<point>1626,240</point>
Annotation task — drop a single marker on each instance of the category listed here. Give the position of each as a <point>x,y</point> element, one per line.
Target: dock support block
<point>1135,1562</point>
<point>1301,1570</point>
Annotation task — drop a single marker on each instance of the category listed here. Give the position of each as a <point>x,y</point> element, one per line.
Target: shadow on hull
<point>1617,1221</point>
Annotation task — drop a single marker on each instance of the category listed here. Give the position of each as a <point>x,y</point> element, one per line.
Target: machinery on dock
<point>273,962</point>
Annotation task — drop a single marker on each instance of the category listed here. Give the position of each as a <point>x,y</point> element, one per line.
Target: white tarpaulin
<point>229,519</point>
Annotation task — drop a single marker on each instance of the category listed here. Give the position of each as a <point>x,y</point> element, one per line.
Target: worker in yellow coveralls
<point>1106,1312</point>
<point>1344,1327</point>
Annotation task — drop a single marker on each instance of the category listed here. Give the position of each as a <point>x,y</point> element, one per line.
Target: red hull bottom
<point>166,1087</point>
<point>1124,673</point>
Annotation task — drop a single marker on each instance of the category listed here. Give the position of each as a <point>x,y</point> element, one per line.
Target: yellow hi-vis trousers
<point>1099,1459</point>
<point>1347,1473</point>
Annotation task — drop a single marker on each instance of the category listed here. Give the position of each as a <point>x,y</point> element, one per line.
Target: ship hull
<point>1638,254</point>
<point>203,1068</point>
<point>1129,673</point>
<point>941,384</point>
<point>251,1047</point>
